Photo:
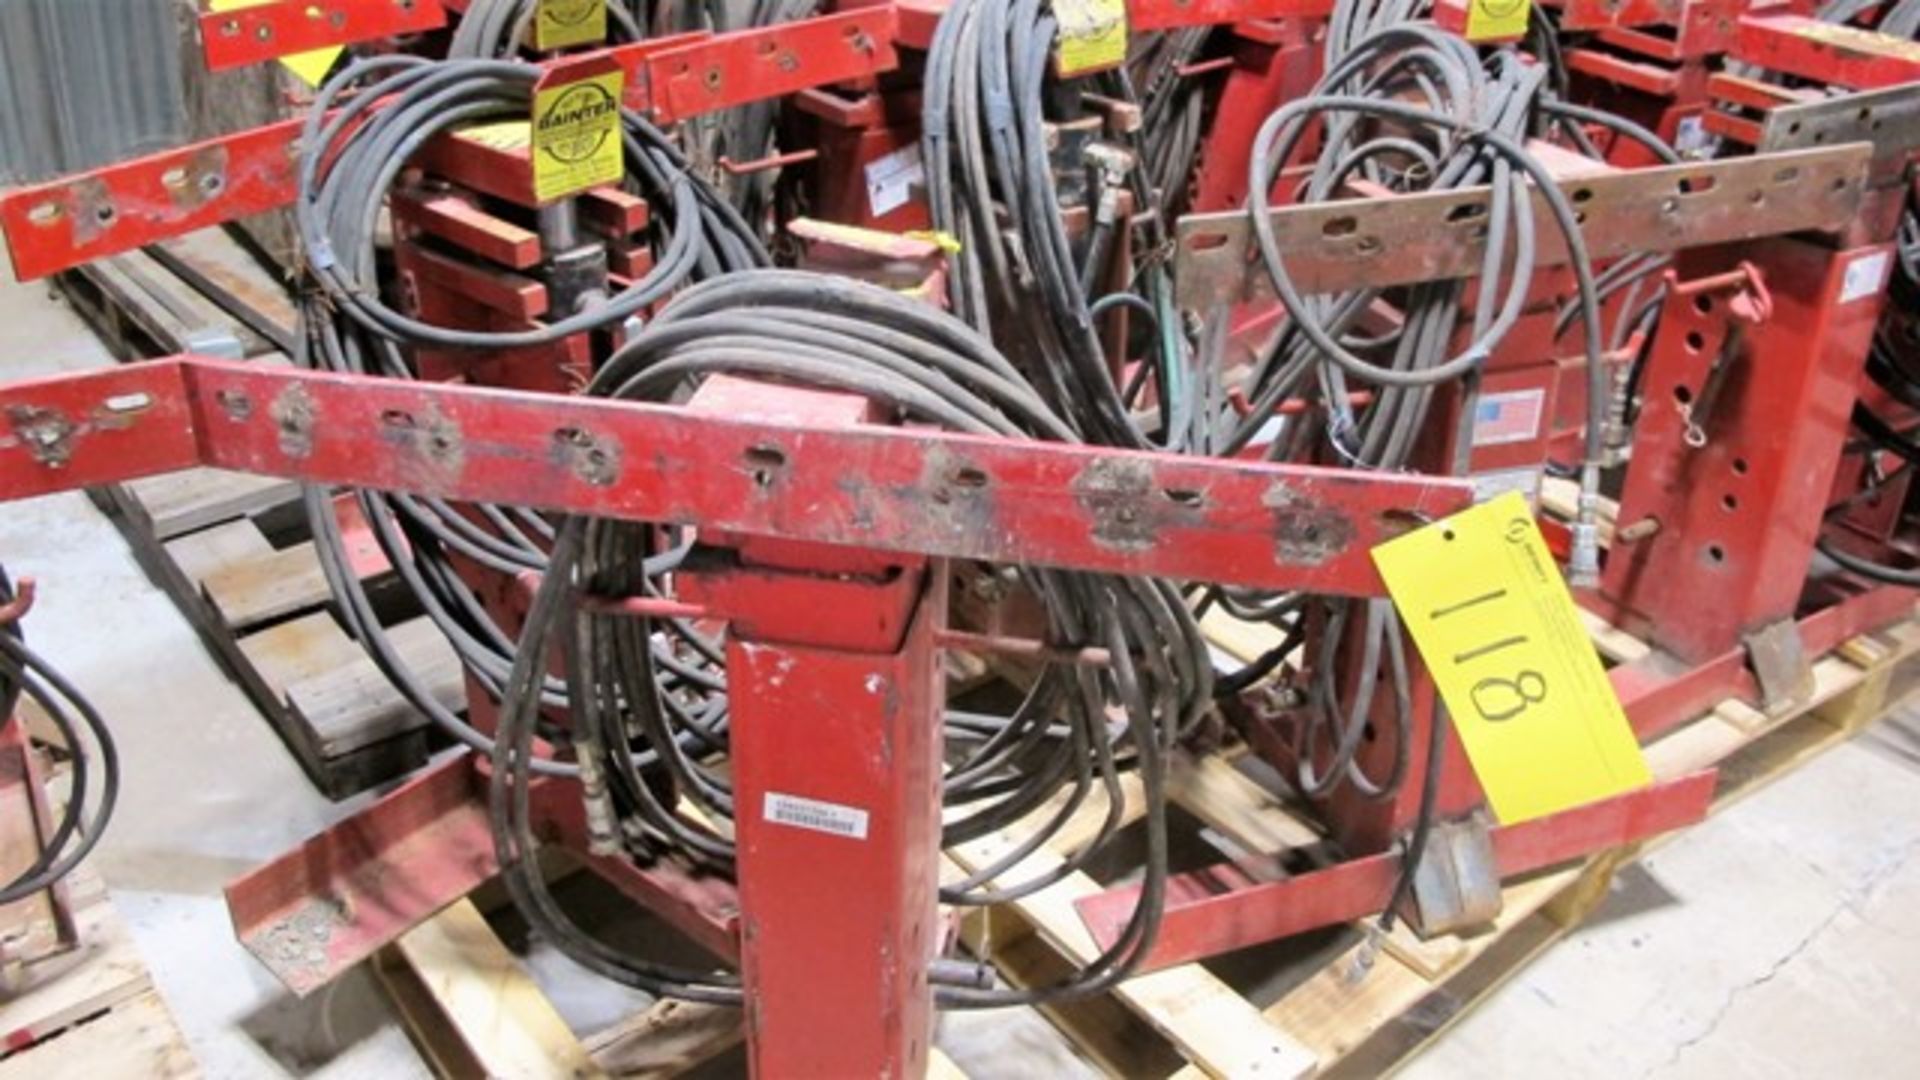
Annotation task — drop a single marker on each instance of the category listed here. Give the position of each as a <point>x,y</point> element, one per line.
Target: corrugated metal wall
<point>85,82</point>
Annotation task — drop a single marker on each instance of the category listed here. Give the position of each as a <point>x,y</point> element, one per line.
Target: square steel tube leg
<point>837,796</point>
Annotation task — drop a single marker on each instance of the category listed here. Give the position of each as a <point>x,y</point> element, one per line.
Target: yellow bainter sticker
<point>1494,20</point>
<point>1093,34</point>
<point>1494,622</point>
<point>558,24</point>
<point>576,136</point>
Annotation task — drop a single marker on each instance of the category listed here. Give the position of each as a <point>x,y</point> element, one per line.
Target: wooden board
<point>1364,1007</point>
<point>471,1008</point>
<point>91,1011</point>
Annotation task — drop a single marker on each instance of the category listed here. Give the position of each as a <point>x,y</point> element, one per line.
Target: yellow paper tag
<point>576,136</point>
<point>1496,20</point>
<point>1093,34</point>
<point>558,24</point>
<point>1494,622</point>
<point>311,66</point>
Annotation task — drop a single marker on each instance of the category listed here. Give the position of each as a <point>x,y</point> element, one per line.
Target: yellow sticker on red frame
<point>1497,20</point>
<point>1092,35</point>
<point>577,141</point>
<point>560,24</point>
<point>1485,603</point>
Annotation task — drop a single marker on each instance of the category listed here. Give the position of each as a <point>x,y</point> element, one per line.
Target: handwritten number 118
<point>1496,697</point>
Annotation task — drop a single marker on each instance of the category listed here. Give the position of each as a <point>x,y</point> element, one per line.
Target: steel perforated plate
<point>1401,240</point>
<point>1889,119</point>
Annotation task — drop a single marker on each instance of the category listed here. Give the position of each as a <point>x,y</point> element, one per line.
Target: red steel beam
<point>1145,15</point>
<point>1202,920</point>
<point>335,900</point>
<point>75,219</point>
<point>753,65</point>
<point>269,31</point>
<point>934,493</point>
<point>1836,55</point>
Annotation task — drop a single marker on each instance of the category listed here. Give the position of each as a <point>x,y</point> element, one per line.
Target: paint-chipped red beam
<point>75,219</point>
<point>251,35</point>
<point>1222,909</point>
<point>1143,15</point>
<point>892,489</point>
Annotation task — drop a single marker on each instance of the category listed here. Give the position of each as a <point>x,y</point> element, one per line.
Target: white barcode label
<point>826,817</point>
<point>1491,485</point>
<point>1865,275</point>
<point>890,179</point>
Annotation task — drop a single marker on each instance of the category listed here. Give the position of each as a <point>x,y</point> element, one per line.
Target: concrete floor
<point>1765,942</point>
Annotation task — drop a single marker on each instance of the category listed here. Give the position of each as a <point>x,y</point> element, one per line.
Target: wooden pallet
<point>92,1011</point>
<point>233,551</point>
<point>472,1010</point>
<point>234,554</point>
<point>1314,1005</point>
<point>1303,1007</point>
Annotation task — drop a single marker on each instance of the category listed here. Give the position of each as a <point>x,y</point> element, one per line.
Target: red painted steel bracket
<point>1169,14</point>
<point>269,31</point>
<point>75,219</point>
<point>733,69</point>
<point>1221,909</point>
<point>881,488</point>
<point>919,18</point>
<point>1618,14</point>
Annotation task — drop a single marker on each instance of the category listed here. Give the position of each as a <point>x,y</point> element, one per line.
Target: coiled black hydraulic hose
<point>987,97</point>
<point>350,161</point>
<point>827,332</point>
<point>25,673</point>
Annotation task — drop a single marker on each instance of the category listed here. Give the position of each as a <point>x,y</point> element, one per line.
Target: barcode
<point>826,817</point>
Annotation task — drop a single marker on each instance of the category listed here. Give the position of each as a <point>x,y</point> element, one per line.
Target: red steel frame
<point>62,223</point>
<point>919,493</point>
<point>842,712</point>
<point>267,31</point>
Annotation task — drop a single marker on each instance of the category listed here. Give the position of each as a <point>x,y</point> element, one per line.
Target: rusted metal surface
<point>323,907</point>
<point>332,902</point>
<point>1355,243</point>
<point>1889,119</point>
<point>267,31</point>
<point>1280,526</point>
<point>1220,909</point>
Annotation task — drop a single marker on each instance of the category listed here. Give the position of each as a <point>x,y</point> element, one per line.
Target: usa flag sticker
<point>1509,417</point>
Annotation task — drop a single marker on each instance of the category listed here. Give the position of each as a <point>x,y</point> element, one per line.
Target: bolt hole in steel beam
<point>1435,235</point>
<point>967,476</point>
<point>235,404</point>
<point>765,462</point>
<point>124,404</point>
